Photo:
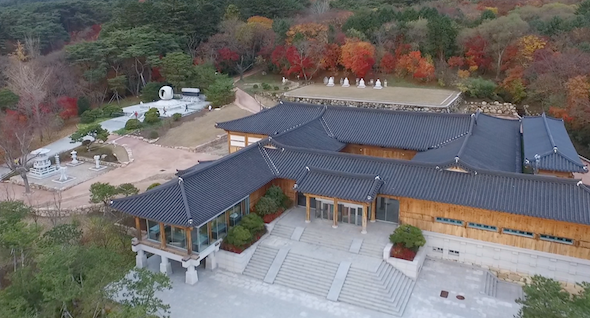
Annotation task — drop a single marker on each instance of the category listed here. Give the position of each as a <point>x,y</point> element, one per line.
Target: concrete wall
<point>521,262</point>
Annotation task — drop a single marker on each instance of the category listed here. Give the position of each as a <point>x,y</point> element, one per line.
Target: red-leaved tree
<point>387,64</point>
<point>358,57</point>
<point>68,106</point>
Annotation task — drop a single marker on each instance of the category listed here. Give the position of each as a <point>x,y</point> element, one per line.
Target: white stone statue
<point>345,83</point>
<point>166,93</point>
<point>371,82</point>
<point>97,161</point>
<point>384,83</point>
<point>357,82</point>
<point>62,174</point>
<point>378,85</point>
<point>361,83</point>
<point>325,81</point>
<point>341,81</point>
<point>284,80</point>
<point>74,154</point>
<point>331,81</point>
<point>57,163</point>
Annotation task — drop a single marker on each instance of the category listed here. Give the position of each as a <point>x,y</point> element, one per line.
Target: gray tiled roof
<point>548,138</point>
<point>491,143</point>
<point>532,195</point>
<point>201,164</point>
<point>310,135</point>
<point>209,190</point>
<point>274,120</point>
<point>340,185</point>
<point>386,128</point>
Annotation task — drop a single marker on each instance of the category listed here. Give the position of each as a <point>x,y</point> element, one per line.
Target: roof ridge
<point>220,160</point>
<point>271,165</point>
<point>327,127</point>
<point>472,123</point>
<point>290,129</point>
<point>554,146</point>
<point>341,173</point>
<point>516,175</point>
<point>185,201</point>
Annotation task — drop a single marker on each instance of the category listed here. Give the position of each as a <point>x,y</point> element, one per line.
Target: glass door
<point>387,210</point>
<point>324,210</point>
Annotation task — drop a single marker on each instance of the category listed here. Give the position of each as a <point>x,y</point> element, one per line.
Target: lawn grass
<point>127,101</point>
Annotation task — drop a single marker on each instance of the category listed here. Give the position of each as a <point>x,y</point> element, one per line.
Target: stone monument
<point>357,82</point>
<point>384,83</point>
<point>63,176</point>
<point>57,163</point>
<point>325,81</point>
<point>341,81</point>
<point>345,83</point>
<point>284,81</point>
<point>74,161</point>
<point>331,81</point>
<point>378,85</point>
<point>371,82</point>
<point>42,167</point>
<point>362,83</point>
<point>97,166</point>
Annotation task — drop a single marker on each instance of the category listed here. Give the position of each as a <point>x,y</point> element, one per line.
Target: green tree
<point>95,131</point>
<point>408,235</point>
<point>127,189</point>
<point>83,105</point>
<point>176,68</point>
<point>544,297</point>
<point>221,92</point>
<point>150,92</point>
<point>281,27</point>
<point>17,237</point>
<point>8,99</point>
<point>442,36</point>
<point>102,193</point>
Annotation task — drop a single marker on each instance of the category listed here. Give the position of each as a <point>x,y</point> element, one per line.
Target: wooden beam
<point>307,207</point>
<point>209,232</point>
<point>137,228</point>
<point>162,236</point>
<point>189,240</point>
<point>339,200</point>
<point>335,214</point>
<point>373,210</point>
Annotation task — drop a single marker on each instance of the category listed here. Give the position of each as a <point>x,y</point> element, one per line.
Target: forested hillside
<point>534,52</point>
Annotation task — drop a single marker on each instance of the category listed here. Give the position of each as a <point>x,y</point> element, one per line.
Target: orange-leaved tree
<point>262,21</point>
<point>358,57</point>
<point>331,58</point>
<point>416,65</point>
<point>388,62</point>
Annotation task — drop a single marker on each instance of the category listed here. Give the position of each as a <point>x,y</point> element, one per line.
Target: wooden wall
<point>246,141</point>
<point>285,184</point>
<point>556,173</point>
<point>422,213</point>
<point>374,151</point>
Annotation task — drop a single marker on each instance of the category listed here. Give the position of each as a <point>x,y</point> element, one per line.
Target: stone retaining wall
<point>494,108</point>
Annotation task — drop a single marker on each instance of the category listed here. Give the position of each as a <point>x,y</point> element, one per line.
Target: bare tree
<point>16,135</point>
<point>29,80</point>
<point>320,6</point>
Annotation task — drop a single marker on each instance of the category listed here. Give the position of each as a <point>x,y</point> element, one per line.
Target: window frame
<point>479,226</point>
<point>556,239</point>
<point>449,221</point>
<point>518,232</point>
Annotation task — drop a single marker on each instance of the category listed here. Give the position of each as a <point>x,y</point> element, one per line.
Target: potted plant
<point>406,240</point>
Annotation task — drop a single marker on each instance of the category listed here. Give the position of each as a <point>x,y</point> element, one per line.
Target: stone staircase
<point>307,274</point>
<point>325,238</point>
<point>260,262</point>
<point>282,231</point>
<point>388,290</point>
<point>489,284</point>
<point>372,248</point>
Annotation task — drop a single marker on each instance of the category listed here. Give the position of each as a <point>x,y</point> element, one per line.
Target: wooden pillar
<point>228,142</point>
<point>307,207</point>
<point>189,240</point>
<point>137,228</point>
<point>335,214</point>
<point>209,232</point>
<point>162,236</point>
<point>373,210</point>
<point>364,220</point>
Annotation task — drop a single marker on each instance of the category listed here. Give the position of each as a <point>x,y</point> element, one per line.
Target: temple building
<point>482,186</point>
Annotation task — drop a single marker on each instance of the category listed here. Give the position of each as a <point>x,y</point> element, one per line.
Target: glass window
<point>219,227</point>
<point>449,221</point>
<point>153,230</point>
<point>200,238</point>
<point>517,232</point>
<point>482,227</point>
<point>175,236</point>
<point>557,239</point>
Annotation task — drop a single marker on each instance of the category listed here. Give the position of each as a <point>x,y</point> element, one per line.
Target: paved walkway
<point>247,102</point>
<point>222,294</point>
<point>152,164</point>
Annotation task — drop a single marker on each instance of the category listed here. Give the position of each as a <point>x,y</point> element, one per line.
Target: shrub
<point>253,223</point>
<point>221,92</point>
<point>266,86</point>
<point>276,88</point>
<point>478,88</point>
<point>87,117</point>
<point>133,124</point>
<point>153,134</point>
<point>286,88</point>
<point>176,116</point>
<point>97,113</point>
<point>150,91</point>
<point>153,185</point>
<point>266,206</point>
<point>112,111</point>
<point>409,236</point>
<point>83,105</point>
<point>238,236</point>
<point>152,116</point>
<point>255,86</point>
<point>275,193</point>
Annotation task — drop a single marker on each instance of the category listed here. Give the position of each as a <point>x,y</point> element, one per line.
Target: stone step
<point>490,284</point>
<point>260,262</point>
<point>386,290</point>
<point>372,249</point>
<point>283,231</point>
<point>326,239</point>
<point>307,274</point>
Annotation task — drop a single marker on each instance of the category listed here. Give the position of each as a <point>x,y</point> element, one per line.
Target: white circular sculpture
<point>166,93</point>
